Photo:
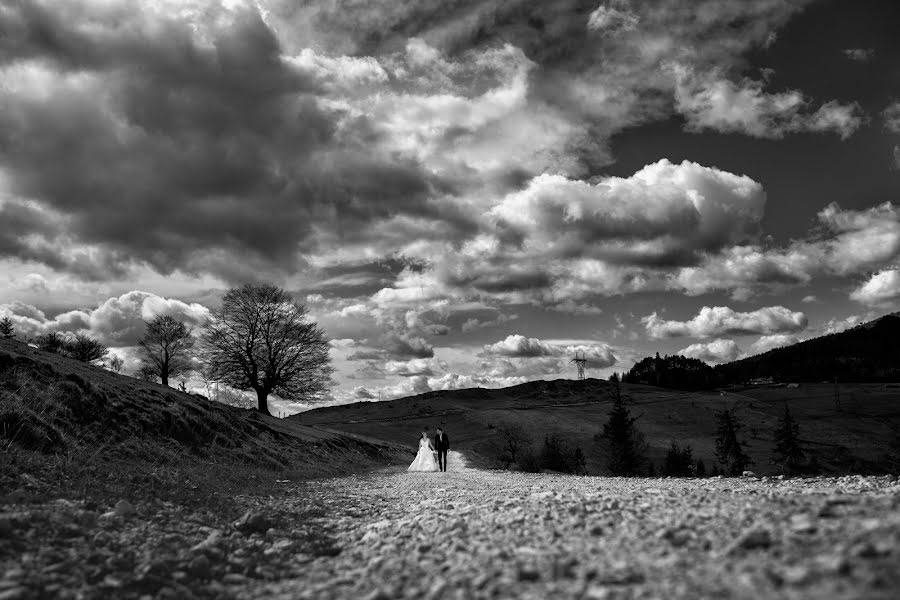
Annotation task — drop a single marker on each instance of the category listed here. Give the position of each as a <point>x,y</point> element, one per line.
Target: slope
<point>88,423</point>
<point>867,352</point>
<point>849,439</point>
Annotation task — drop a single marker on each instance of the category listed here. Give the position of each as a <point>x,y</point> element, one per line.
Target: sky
<point>462,192</point>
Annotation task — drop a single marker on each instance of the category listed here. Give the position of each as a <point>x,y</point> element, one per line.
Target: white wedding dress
<point>424,461</point>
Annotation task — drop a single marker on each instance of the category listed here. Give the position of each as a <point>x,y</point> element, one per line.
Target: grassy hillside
<point>855,438</point>
<point>75,427</point>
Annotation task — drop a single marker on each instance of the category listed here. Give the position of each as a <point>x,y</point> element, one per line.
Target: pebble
<point>393,535</point>
<point>124,508</point>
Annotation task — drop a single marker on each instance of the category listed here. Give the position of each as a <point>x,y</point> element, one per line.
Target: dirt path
<point>464,534</point>
<point>478,534</point>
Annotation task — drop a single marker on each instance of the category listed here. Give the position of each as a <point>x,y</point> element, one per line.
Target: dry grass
<point>78,431</point>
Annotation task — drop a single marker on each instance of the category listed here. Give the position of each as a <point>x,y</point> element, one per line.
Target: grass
<point>81,432</point>
<point>855,439</point>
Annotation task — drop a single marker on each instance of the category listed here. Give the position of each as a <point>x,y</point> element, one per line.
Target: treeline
<point>622,448</point>
<point>675,372</point>
<point>260,340</point>
<point>869,352</point>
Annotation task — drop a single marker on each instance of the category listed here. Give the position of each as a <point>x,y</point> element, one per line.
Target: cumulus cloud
<point>710,101</point>
<point>770,342</point>
<point>663,213</point>
<point>517,345</point>
<point>613,17</point>
<point>839,325</point>
<point>881,288</point>
<point>859,54</point>
<point>410,368</point>
<point>721,320</point>
<point>117,322</point>
<point>891,117</point>
<point>716,352</point>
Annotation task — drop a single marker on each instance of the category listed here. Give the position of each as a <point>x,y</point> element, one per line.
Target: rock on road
<point>491,534</point>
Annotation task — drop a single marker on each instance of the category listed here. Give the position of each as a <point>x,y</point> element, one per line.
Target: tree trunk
<point>262,403</point>
<point>164,376</point>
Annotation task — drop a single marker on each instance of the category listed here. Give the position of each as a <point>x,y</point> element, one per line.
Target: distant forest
<point>866,353</point>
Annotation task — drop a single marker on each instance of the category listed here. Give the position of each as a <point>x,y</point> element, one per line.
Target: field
<point>854,438</point>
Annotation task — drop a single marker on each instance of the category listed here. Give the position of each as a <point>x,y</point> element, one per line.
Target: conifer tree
<point>621,443</point>
<point>729,450</point>
<point>787,443</point>
<point>679,461</point>
<point>6,327</point>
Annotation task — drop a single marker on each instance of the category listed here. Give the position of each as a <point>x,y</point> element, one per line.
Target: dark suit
<point>442,445</point>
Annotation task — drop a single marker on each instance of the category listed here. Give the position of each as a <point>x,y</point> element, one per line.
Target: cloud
<point>839,325</point>
<point>770,342</point>
<point>809,299</point>
<point>716,352</point>
<point>532,358</point>
<point>891,117</point>
<point>517,345</point>
<point>721,320</point>
<point>710,101</point>
<point>611,19</point>
<point>411,368</point>
<point>664,213</point>
<point>204,130</point>
<point>881,288</point>
<point>860,239</point>
<point>117,322</point>
<point>859,54</point>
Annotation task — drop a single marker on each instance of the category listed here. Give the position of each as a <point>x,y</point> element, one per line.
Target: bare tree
<point>116,363</point>
<point>515,438</point>
<point>51,342</point>
<point>260,340</point>
<point>85,349</point>
<point>147,372</point>
<point>166,344</point>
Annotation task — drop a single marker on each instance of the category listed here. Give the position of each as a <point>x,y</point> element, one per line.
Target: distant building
<point>761,381</point>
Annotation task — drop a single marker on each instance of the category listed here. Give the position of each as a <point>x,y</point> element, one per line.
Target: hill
<point>855,438</point>
<point>66,421</point>
<point>867,352</point>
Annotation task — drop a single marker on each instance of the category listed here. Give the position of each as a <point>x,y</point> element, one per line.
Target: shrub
<point>699,468</point>
<point>679,461</point>
<point>84,349</point>
<point>559,455</point>
<point>529,461</point>
<point>51,342</point>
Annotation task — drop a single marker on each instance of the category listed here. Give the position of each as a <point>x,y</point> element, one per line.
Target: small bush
<point>679,461</point>
<point>529,461</point>
<point>559,455</point>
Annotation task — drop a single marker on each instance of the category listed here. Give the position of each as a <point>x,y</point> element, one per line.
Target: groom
<point>442,445</point>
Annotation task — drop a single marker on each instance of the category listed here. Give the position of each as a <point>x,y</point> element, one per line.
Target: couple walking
<point>424,461</point>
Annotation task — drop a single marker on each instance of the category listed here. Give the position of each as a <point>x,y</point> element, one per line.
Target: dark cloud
<point>155,146</point>
<point>407,346</point>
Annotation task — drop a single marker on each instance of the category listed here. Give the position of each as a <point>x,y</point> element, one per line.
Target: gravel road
<point>466,534</point>
<point>478,534</point>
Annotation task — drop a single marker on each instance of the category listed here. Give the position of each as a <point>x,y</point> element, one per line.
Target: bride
<point>424,459</point>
